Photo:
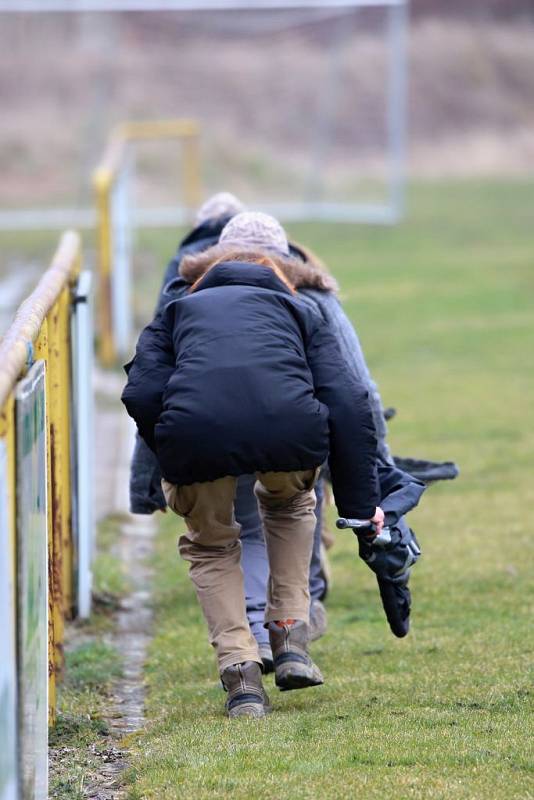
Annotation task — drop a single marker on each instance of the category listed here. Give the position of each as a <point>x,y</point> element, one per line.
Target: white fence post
<point>82,370</point>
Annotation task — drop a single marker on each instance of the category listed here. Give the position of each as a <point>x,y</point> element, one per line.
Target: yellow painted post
<point>58,448</point>
<point>60,380</point>
<point>188,132</point>
<point>191,172</point>
<point>55,625</point>
<point>106,346</point>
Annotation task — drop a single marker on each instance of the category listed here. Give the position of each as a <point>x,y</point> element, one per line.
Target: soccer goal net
<point>301,104</point>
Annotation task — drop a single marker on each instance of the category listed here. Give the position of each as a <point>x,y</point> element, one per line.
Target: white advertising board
<point>8,675</point>
<point>32,558</point>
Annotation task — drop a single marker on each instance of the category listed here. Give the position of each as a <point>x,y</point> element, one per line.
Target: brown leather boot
<point>293,667</point>
<point>246,695</point>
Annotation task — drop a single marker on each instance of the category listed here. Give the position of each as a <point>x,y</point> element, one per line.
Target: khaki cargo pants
<point>211,545</point>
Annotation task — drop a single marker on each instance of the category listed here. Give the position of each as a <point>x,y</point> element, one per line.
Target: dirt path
<point>130,637</point>
<point>132,632</point>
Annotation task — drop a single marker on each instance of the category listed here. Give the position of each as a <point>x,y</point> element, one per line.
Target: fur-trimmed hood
<point>302,269</point>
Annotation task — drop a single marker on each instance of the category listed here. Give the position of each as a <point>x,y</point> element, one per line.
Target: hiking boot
<point>318,620</point>
<point>246,695</point>
<point>293,668</point>
<point>266,655</point>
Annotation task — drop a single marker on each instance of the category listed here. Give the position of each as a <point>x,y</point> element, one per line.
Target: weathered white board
<point>32,582</point>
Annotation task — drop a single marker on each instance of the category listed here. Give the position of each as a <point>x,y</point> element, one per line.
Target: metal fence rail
<point>37,447</point>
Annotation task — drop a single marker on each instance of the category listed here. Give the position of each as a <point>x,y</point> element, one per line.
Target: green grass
<point>110,581</point>
<point>91,665</point>
<point>444,307</point>
<point>81,731</point>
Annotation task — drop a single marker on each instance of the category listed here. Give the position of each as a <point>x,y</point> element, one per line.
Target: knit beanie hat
<point>222,204</point>
<point>253,230</point>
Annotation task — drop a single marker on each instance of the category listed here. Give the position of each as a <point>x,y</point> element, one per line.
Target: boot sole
<point>252,710</point>
<point>255,710</point>
<point>297,678</point>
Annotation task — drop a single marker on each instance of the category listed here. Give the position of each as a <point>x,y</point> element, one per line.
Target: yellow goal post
<point>115,220</point>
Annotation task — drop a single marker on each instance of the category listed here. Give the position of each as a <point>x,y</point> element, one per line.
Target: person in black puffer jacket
<point>241,377</point>
<point>146,495</point>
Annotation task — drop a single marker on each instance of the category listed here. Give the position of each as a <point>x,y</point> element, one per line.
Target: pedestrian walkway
<point>114,440</point>
<point>114,436</point>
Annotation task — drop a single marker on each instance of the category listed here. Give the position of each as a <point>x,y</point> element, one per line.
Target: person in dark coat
<point>241,377</point>
<point>318,289</point>
<point>146,495</point>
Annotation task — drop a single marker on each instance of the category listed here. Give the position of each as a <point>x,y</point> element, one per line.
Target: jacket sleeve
<point>353,441</point>
<point>148,374</point>
<point>353,357</point>
<point>146,495</point>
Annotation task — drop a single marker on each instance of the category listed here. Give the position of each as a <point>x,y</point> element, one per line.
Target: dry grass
<point>66,80</point>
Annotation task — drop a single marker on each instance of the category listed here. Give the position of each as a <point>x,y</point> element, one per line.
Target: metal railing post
<point>115,220</point>
<point>55,619</point>
<point>106,346</point>
<point>191,170</point>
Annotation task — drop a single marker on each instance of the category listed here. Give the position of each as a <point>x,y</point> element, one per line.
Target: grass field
<point>444,307</point>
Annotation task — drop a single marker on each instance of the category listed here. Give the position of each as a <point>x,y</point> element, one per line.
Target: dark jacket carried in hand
<point>241,377</point>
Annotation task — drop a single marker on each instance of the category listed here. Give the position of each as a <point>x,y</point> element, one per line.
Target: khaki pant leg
<point>287,506</point>
<point>212,547</point>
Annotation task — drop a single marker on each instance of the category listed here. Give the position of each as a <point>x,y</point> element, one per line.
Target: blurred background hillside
<point>276,95</point>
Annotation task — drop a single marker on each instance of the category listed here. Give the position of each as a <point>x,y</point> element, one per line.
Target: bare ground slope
<point>262,97</point>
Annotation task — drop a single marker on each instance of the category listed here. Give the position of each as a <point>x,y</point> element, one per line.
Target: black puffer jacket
<point>241,377</point>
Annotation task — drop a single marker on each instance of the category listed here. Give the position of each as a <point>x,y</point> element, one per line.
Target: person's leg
<point>287,503</point>
<point>318,582</point>
<point>317,578</point>
<point>211,545</point>
<point>287,506</point>
<point>255,566</point>
<point>254,559</point>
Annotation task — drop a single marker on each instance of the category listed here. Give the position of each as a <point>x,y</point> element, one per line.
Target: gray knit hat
<point>222,204</point>
<point>253,230</point>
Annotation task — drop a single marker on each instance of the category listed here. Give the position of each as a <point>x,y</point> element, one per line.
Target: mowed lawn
<point>444,305</point>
